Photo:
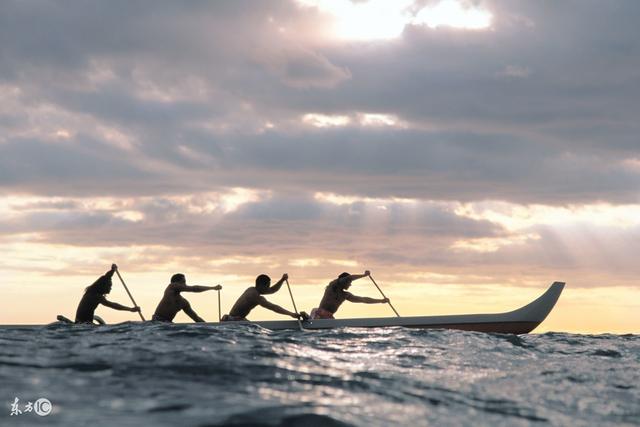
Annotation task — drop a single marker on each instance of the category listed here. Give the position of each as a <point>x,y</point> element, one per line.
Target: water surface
<point>134,374</point>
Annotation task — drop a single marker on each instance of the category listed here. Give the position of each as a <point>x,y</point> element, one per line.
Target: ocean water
<point>134,374</point>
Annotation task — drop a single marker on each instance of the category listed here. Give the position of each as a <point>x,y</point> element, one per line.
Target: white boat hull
<point>520,321</point>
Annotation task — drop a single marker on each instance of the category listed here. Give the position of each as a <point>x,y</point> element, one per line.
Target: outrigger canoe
<point>520,321</point>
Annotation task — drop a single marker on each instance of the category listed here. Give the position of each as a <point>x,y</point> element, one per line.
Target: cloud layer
<point>247,136</point>
<point>539,109</point>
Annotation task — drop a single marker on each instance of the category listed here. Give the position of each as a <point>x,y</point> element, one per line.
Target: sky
<point>468,153</point>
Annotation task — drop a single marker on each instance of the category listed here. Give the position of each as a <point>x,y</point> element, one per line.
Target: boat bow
<point>539,309</point>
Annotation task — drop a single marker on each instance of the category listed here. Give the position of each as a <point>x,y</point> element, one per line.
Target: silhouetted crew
<point>336,293</point>
<point>252,297</point>
<point>172,302</point>
<point>95,295</point>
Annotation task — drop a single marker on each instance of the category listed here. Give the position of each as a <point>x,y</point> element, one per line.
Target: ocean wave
<point>163,374</point>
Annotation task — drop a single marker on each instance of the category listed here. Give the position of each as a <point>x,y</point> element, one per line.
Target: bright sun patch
<point>324,120</point>
<point>384,19</point>
<point>378,120</point>
<point>454,14</point>
<point>359,119</point>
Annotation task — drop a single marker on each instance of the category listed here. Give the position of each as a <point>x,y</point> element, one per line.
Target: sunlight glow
<point>378,120</point>
<point>383,19</point>
<point>238,197</point>
<point>518,217</point>
<point>116,138</point>
<point>366,20</point>
<point>492,244</point>
<point>239,260</point>
<point>317,262</point>
<point>131,216</point>
<point>62,134</point>
<point>338,199</point>
<point>632,164</point>
<point>323,120</point>
<point>305,262</point>
<point>451,13</point>
<point>361,119</point>
<point>130,208</point>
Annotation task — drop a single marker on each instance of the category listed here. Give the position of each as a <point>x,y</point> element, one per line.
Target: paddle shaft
<point>294,304</point>
<point>129,293</point>
<point>384,296</point>
<point>219,310</point>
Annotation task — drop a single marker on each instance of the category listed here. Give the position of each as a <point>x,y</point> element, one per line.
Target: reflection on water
<point>158,374</point>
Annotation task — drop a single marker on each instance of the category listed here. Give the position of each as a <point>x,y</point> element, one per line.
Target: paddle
<point>384,296</point>
<point>129,293</point>
<point>294,305</point>
<point>219,315</point>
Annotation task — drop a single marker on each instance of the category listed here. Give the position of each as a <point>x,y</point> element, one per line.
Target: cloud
<point>304,69</point>
<point>206,219</point>
<point>399,237</point>
<point>200,114</point>
<point>163,114</point>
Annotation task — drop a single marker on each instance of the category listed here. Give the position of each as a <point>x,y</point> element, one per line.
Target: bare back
<point>333,297</point>
<point>247,302</point>
<point>170,304</point>
<point>87,306</point>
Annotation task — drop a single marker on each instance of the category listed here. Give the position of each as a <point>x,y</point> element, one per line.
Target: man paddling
<point>94,295</point>
<point>336,293</point>
<point>253,297</point>
<point>172,302</point>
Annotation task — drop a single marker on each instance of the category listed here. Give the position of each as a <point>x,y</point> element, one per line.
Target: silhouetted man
<point>172,302</point>
<point>94,295</point>
<point>336,293</point>
<point>253,297</point>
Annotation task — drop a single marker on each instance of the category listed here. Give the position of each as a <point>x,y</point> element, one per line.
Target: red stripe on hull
<point>494,327</point>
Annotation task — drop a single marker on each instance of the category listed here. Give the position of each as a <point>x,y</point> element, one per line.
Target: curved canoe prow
<point>539,309</point>
<point>527,318</point>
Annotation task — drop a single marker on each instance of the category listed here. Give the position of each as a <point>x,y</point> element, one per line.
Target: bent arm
<point>192,314</point>
<point>275,288</point>
<point>109,273</point>
<point>115,305</point>
<point>364,300</point>
<point>274,307</point>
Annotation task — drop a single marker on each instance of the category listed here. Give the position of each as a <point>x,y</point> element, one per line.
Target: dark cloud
<point>307,69</point>
<point>65,167</point>
<point>288,217</point>
<point>557,133</point>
